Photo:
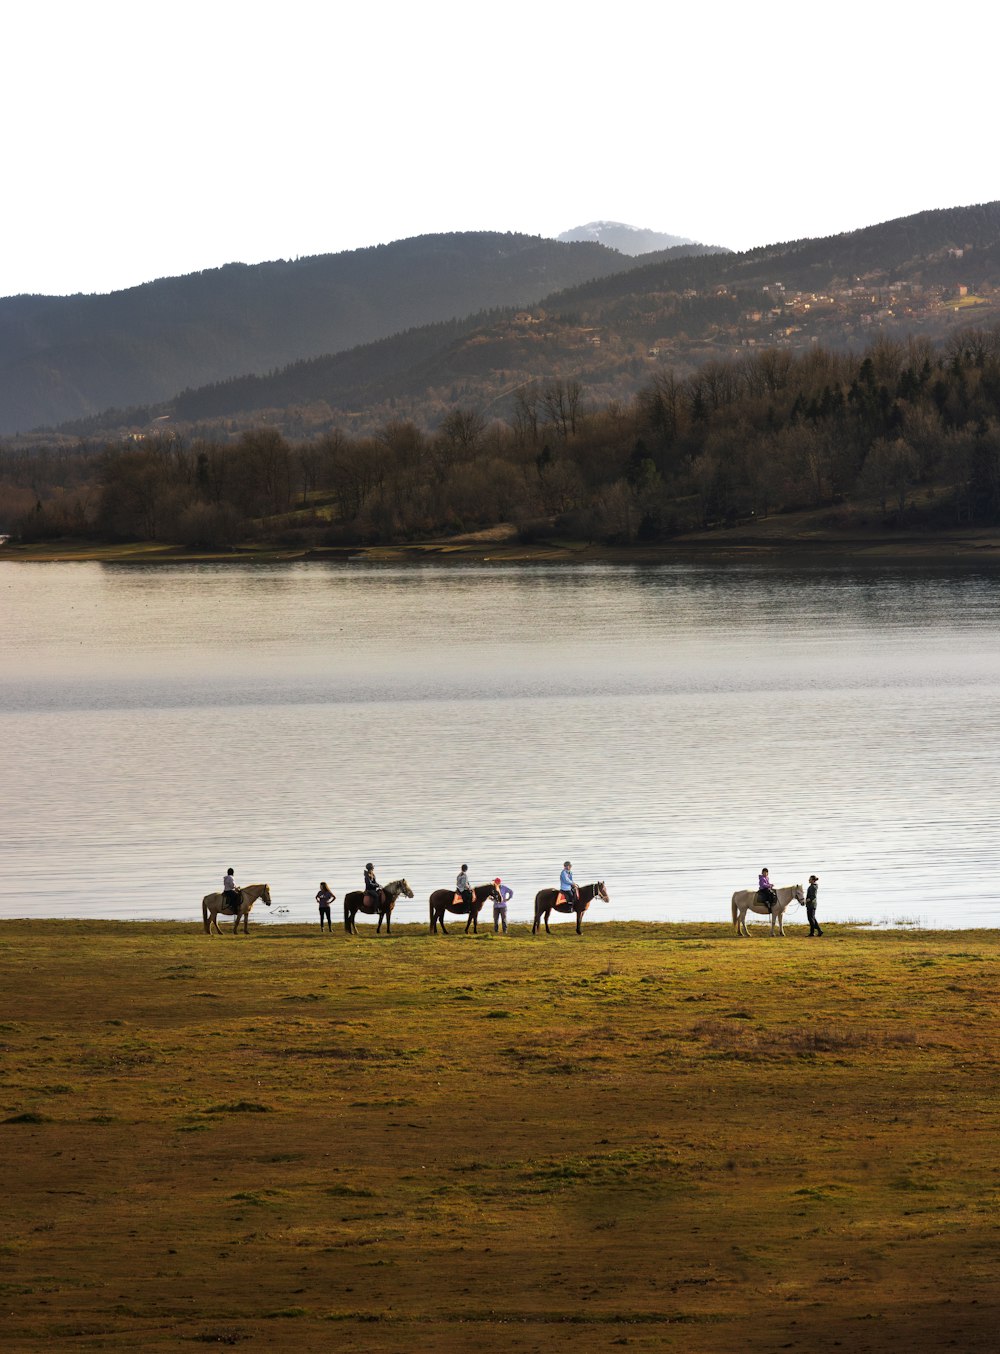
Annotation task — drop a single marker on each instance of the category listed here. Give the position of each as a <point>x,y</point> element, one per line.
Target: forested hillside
<point>902,434</point>
<point>63,358</point>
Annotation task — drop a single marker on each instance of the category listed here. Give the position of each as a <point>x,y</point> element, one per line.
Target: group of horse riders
<point>463,886</point>
<point>233,896</point>
<point>568,890</point>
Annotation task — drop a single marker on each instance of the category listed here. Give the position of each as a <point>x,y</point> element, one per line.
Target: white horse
<point>746,900</point>
<point>215,903</point>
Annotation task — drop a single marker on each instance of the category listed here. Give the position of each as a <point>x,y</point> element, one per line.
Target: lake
<point>669,729</point>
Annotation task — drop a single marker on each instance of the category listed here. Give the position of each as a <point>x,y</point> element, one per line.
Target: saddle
<point>562,899</point>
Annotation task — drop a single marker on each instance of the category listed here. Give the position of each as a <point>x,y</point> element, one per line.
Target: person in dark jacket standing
<point>324,897</point>
<point>811,896</point>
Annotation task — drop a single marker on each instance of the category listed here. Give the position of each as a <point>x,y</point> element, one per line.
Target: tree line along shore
<point>899,442</point>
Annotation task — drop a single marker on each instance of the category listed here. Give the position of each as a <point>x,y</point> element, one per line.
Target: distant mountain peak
<point>626,239</point>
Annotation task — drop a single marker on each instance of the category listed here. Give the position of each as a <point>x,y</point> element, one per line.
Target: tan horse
<point>552,900</point>
<point>747,900</point>
<point>359,901</point>
<point>447,900</point>
<point>214,904</point>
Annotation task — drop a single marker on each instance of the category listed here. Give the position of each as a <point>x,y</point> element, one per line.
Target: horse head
<point>797,895</point>
<point>494,893</point>
<point>602,892</point>
<point>266,895</point>
<point>405,889</point>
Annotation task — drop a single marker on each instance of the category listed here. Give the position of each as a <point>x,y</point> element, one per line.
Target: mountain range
<point>469,320</point>
<point>65,358</point>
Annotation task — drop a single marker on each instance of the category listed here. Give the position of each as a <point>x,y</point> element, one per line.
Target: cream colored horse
<point>745,900</point>
<point>215,903</point>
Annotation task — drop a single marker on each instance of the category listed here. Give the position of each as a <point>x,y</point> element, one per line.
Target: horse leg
<point>781,922</point>
<point>388,922</point>
<point>579,919</point>
<point>547,914</point>
<point>534,928</point>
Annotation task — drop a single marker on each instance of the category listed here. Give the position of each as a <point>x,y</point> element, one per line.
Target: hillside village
<point>781,318</point>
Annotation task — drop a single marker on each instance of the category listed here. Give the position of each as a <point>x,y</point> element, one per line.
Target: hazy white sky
<point>145,140</point>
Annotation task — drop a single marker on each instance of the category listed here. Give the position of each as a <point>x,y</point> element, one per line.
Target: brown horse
<point>448,900</point>
<point>548,900</point>
<point>359,901</point>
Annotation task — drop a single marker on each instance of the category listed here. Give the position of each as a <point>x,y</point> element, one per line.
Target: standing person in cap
<point>463,886</point>
<point>500,908</point>
<point>811,893</point>
<point>567,885</point>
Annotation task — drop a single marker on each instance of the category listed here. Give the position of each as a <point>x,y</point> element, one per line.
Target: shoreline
<point>721,547</point>
<point>602,931</point>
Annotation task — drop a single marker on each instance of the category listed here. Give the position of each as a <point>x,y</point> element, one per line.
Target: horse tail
<point>735,909</point>
<point>204,915</point>
<point>347,915</point>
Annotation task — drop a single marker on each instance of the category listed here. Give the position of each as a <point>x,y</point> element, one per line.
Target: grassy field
<point>650,1136</point>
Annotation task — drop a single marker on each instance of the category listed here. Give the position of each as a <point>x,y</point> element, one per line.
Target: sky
<point>147,140</point>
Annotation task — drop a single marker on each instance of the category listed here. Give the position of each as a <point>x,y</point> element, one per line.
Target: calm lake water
<point>668,729</point>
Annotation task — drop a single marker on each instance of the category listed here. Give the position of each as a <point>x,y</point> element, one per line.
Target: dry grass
<point>653,1136</point>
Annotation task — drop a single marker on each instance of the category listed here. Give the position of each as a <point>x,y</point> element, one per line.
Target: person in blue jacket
<point>566,884</point>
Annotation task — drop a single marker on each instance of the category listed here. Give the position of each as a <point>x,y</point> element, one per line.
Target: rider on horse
<point>233,896</point>
<point>372,887</point>
<point>567,886</point>
<point>463,886</point>
<point>766,891</point>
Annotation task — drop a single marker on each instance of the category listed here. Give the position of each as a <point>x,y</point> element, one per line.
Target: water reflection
<point>669,729</point>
